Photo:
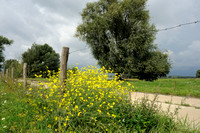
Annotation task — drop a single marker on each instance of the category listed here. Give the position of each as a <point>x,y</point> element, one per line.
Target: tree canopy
<point>121,37</point>
<point>3,41</point>
<point>13,63</point>
<point>198,74</point>
<point>39,57</point>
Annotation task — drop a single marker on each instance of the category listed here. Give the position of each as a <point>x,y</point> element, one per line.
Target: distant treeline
<point>180,77</point>
<point>127,76</point>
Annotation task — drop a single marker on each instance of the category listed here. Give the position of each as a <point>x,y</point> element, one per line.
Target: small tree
<point>3,41</point>
<point>198,74</point>
<point>39,57</point>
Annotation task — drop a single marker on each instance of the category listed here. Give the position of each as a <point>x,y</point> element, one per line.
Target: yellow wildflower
<point>79,113</point>
<point>67,118</point>
<point>65,124</point>
<point>56,118</point>
<point>113,115</point>
<point>49,126</point>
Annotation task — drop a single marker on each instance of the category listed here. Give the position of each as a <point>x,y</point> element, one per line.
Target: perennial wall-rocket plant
<point>88,98</point>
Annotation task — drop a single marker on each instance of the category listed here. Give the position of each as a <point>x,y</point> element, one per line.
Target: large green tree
<point>3,41</point>
<point>39,57</point>
<point>121,37</point>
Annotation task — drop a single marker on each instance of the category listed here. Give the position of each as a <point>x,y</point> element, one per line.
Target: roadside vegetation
<point>88,103</point>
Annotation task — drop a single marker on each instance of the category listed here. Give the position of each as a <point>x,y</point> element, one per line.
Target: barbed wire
<point>78,50</point>
<point>177,26</point>
<point>164,29</point>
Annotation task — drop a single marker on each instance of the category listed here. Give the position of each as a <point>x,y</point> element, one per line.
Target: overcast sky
<point>55,21</point>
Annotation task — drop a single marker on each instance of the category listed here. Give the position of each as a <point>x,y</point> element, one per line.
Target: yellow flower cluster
<point>86,90</point>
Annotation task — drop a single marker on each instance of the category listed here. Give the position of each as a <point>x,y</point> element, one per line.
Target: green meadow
<point>178,87</point>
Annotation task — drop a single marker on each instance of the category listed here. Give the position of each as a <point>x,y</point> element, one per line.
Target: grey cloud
<point>69,8</point>
<point>180,40</point>
<point>55,22</point>
<point>186,62</point>
<point>190,54</point>
<point>170,12</point>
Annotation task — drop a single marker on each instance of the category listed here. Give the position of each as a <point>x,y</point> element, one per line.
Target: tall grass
<point>87,103</point>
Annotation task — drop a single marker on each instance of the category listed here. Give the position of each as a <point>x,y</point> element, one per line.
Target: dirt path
<point>189,108</point>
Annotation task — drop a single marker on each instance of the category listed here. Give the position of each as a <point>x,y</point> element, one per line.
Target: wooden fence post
<point>12,73</point>
<point>25,74</point>
<point>6,73</point>
<point>130,96</point>
<point>63,65</point>
<point>3,73</point>
<point>175,85</point>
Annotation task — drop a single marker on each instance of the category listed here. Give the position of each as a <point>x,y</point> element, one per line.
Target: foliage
<point>3,41</point>
<point>39,57</point>
<point>198,74</point>
<point>121,37</point>
<point>88,103</point>
<point>13,63</point>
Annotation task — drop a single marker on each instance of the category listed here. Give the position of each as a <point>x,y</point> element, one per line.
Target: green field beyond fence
<point>179,87</point>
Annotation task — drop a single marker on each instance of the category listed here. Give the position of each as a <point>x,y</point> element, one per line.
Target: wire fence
<point>177,26</point>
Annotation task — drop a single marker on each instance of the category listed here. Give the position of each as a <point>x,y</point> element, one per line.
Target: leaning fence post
<point>63,65</point>
<point>25,74</point>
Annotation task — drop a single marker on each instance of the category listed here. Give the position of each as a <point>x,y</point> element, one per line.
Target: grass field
<point>179,87</point>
